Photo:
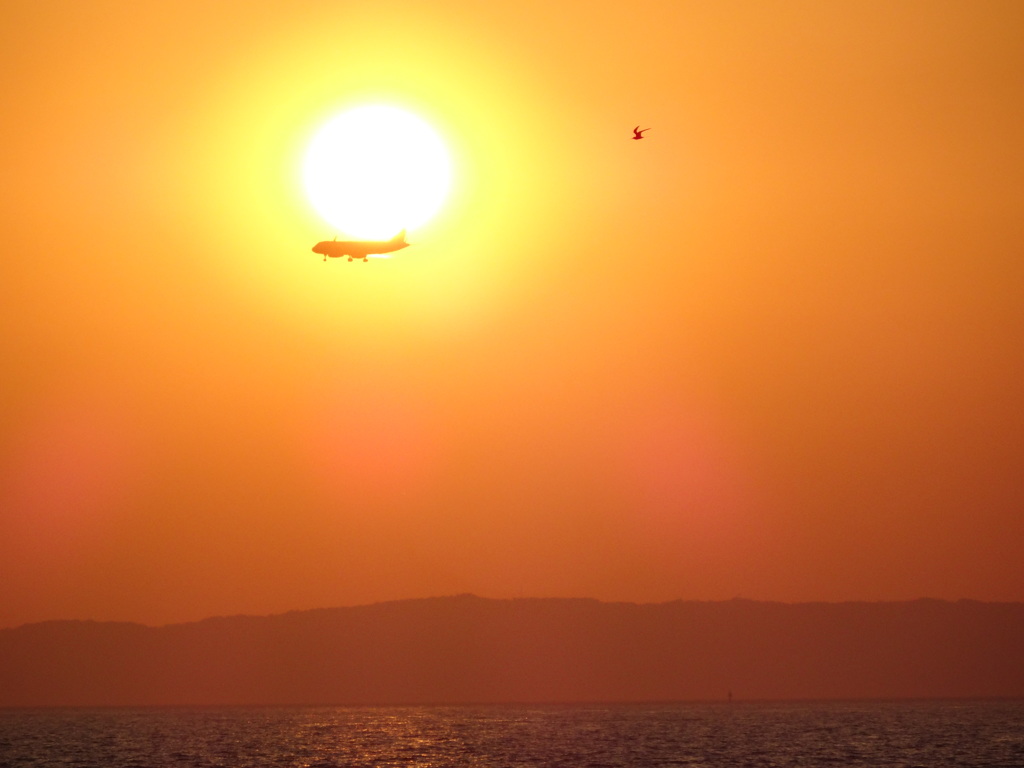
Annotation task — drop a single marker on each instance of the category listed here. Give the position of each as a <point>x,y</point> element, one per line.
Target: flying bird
<point>639,134</point>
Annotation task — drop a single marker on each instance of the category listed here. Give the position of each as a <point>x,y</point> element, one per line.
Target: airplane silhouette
<point>638,134</point>
<point>359,249</point>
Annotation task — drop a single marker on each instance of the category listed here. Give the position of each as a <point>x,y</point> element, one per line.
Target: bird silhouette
<point>639,134</point>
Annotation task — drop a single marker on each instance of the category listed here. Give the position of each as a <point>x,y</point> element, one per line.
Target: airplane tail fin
<point>400,237</point>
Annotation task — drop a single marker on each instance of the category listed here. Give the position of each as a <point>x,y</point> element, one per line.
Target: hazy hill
<point>470,649</point>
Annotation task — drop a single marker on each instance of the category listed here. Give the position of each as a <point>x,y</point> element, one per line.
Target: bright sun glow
<point>374,170</point>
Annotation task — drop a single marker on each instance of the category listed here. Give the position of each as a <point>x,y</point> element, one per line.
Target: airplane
<point>360,249</point>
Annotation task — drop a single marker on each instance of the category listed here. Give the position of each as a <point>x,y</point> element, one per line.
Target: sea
<point>930,734</point>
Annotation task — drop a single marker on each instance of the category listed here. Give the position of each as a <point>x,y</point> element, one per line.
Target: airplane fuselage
<point>360,249</point>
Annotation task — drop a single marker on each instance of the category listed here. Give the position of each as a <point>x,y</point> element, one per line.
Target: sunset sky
<point>775,350</point>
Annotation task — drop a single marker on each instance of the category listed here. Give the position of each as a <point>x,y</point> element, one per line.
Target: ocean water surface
<point>906,733</point>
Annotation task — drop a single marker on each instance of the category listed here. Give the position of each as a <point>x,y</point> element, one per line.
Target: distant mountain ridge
<point>468,649</point>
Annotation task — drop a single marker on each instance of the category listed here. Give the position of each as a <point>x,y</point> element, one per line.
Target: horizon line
<point>471,595</point>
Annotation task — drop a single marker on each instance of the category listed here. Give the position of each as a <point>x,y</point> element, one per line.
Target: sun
<point>374,170</point>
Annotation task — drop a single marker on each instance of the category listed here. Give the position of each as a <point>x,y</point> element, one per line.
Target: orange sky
<point>774,350</point>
